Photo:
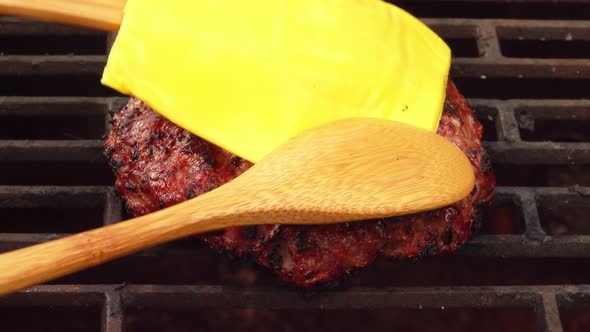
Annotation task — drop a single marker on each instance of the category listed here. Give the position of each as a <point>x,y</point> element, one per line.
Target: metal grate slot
<point>463,47</point>
<point>575,319</point>
<point>458,270</point>
<point>26,37</point>
<point>55,85</point>
<point>69,173</point>
<point>542,175</point>
<point>461,39</point>
<point>566,215</point>
<point>493,9</point>
<point>567,124</point>
<point>51,118</point>
<point>521,88</point>
<point>50,220</point>
<point>50,210</point>
<point>466,270</point>
<point>549,42</point>
<point>503,216</point>
<point>146,267</point>
<point>51,318</point>
<point>550,49</point>
<point>53,44</point>
<point>444,319</point>
<point>488,117</point>
<point>56,127</point>
<point>574,310</point>
<point>556,130</point>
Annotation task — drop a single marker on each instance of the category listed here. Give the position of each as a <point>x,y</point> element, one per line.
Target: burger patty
<point>158,164</point>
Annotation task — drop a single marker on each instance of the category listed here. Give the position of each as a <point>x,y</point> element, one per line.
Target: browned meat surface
<point>158,164</point>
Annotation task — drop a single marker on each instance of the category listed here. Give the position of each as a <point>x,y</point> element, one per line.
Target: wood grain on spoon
<point>348,170</point>
<point>98,14</point>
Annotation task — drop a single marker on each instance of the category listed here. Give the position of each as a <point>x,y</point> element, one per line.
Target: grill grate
<point>525,76</point>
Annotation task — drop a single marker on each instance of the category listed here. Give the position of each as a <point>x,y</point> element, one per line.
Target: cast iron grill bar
<point>113,208</point>
<point>213,296</point>
<point>508,126</point>
<point>533,229</point>
<point>511,148</point>
<point>548,313</point>
<point>68,295</point>
<point>112,314</point>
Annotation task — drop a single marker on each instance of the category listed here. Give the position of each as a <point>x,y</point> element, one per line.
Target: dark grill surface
<point>527,76</point>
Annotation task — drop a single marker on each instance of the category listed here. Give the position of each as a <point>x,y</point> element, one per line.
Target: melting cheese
<point>249,75</point>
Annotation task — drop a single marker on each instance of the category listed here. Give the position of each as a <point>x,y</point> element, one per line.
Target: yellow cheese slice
<point>249,75</point>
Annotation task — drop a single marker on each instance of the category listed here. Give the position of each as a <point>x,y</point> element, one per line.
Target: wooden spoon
<point>98,14</point>
<point>347,170</point>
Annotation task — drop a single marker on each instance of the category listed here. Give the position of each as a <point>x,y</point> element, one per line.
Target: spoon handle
<point>42,262</point>
<point>98,14</point>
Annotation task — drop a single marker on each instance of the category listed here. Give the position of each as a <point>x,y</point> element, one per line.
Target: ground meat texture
<point>158,164</point>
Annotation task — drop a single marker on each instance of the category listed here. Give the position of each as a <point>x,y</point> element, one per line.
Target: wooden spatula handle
<point>39,263</point>
<point>98,14</point>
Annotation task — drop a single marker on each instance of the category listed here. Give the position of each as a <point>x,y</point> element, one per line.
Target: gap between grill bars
<point>525,80</point>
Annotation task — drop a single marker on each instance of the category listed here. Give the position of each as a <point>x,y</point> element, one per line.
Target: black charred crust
<point>162,203</point>
<point>190,191</point>
<point>474,190</point>
<point>209,159</point>
<point>476,217</point>
<point>134,156</point>
<point>274,258</point>
<point>108,152</point>
<point>116,164</point>
<point>154,136</point>
<point>432,234</point>
<point>124,124</point>
<point>433,213</point>
<point>448,236</point>
<point>485,162</point>
<point>216,232</point>
<point>235,160</point>
<point>213,182</point>
<point>127,208</point>
<point>407,225</point>
<point>301,241</point>
<point>250,232</point>
<point>130,186</point>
